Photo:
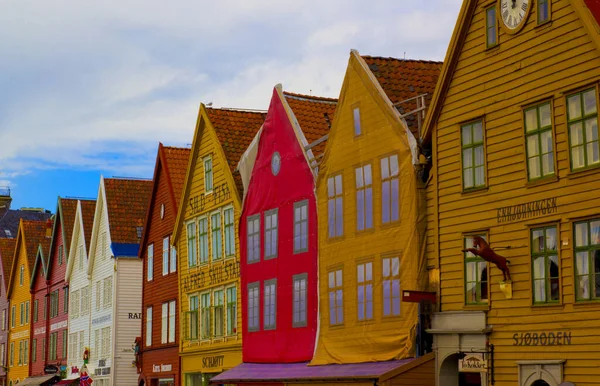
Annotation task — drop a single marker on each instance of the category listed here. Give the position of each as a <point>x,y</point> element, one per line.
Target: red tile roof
<point>314,114</point>
<point>176,159</point>
<point>7,253</point>
<point>594,7</point>
<point>35,234</point>
<point>235,130</point>
<point>88,207</point>
<point>68,207</point>
<point>126,201</point>
<point>404,79</point>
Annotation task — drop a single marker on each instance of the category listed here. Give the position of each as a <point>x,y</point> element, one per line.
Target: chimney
<point>49,224</point>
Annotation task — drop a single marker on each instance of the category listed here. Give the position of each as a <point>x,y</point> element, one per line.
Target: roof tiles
<point>404,79</point>
<point>176,159</point>
<point>126,201</point>
<point>68,208</point>
<point>88,207</point>
<point>36,233</point>
<point>7,253</point>
<point>10,220</point>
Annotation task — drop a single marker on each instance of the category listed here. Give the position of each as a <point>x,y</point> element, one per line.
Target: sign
<point>39,330</point>
<point>161,368</point>
<point>527,210</point>
<point>214,361</point>
<point>219,194</point>
<point>50,369</point>
<point>215,275</point>
<point>559,338</point>
<point>102,319</point>
<point>135,315</point>
<point>21,334</point>
<point>56,326</point>
<point>472,363</point>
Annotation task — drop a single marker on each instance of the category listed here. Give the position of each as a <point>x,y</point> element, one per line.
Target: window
<point>20,353</point>
<point>364,198</point>
<point>27,310</point>
<point>301,226</point>
<point>3,354</point>
<point>271,239</point>
<point>64,343</point>
<point>97,351</point>
<point>254,238</point>
<point>22,315</point>
<point>491,34</point>
<point>229,232</point>
<point>107,292</point>
<point>540,147</point>
<point>11,354</point>
<point>587,256</point>
<point>270,304</point>
<point>43,349</point>
<point>215,223</point>
<point>205,315</point>
<point>148,327</point>
<point>364,280</point>
<point>35,310</point>
<point>165,256</point>
<point>60,255</point>
<point>81,343</point>
<point>203,240</point>
<point>26,351</point>
<point>191,244</point>
<point>335,206</point>
<point>4,320</point>
<point>356,120</point>
<point>219,312</point>
<point>253,306</point>
<point>164,323</point>
<point>73,354</point>
<point>168,322</point>
<point>472,155</point>
<point>173,264</point>
<point>33,350</point>
<point>150,259</point>
<point>193,319</point>
<point>98,295</point>
<point>172,311</point>
<point>21,275</point>
<point>336,298</point>
<point>208,175</point>
<point>582,114</point>
<point>106,342</point>
<point>543,11</point>
<point>104,246</point>
<point>390,194</point>
<point>231,311</point>
<point>65,300</point>
<point>85,300</point>
<point>53,344</point>
<point>391,286</point>
<point>300,307</point>
<point>80,258</point>
<point>54,304</point>
<point>545,265</point>
<point>476,275</point>
<point>13,316</point>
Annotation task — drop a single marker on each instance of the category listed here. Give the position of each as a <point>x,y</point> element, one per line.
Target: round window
<point>275,163</point>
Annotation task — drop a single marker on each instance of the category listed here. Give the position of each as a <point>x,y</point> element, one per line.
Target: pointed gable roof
<point>65,216</point>
<point>172,163</point>
<point>82,222</point>
<point>87,215</point>
<point>7,253</point>
<point>405,79</point>
<point>41,262</point>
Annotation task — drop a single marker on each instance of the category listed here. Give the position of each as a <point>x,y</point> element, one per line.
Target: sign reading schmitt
<point>472,363</point>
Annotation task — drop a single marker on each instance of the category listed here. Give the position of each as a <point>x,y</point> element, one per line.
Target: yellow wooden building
<point>513,129</point>
<point>206,238</point>
<point>371,215</point>
<point>31,236</point>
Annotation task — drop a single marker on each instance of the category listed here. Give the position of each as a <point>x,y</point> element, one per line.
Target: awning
<point>42,380</point>
<point>286,372</point>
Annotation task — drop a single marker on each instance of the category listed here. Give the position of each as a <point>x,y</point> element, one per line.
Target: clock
<point>275,163</point>
<point>514,13</point>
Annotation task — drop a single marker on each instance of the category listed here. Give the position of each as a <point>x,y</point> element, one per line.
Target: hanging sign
<point>472,363</point>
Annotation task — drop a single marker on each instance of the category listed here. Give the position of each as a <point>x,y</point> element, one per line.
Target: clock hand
<point>514,4</point>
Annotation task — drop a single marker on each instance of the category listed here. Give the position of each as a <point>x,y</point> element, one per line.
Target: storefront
<point>160,370</point>
<point>200,369</point>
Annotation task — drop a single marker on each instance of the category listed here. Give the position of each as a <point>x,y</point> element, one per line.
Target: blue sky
<point>90,88</point>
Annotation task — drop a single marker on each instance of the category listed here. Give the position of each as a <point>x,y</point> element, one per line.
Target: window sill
<point>476,307</point>
<point>545,306</point>
<point>474,191</point>
<point>584,172</point>
<point>586,303</point>
<point>492,50</point>
<point>335,239</point>
<point>542,181</point>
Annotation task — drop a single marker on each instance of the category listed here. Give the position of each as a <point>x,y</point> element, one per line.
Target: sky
<point>91,88</point>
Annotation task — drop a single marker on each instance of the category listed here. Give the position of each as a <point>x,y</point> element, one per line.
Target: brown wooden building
<point>159,362</point>
<point>513,130</point>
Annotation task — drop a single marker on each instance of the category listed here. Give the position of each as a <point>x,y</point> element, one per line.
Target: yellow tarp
<point>383,134</point>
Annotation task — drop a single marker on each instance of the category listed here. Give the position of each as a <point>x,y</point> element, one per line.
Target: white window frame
<point>389,178</point>
<point>148,327</point>
<point>218,302</point>
<point>231,310</point>
<point>172,321</point>
<point>107,293</point>
<point>356,120</point>
<point>150,262</point>
<point>205,316</point>
<point>164,323</point>
<point>166,255</point>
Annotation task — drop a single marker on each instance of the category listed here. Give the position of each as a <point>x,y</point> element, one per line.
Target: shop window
<point>217,243</point>
<point>253,239</point>
<point>491,32</point>
<point>582,115</point>
<point>231,310</point>
<point>203,240</point>
<point>364,281</point>
<point>253,306</point>
<point>301,226</point>
<point>205,316</point>
<point>270,304</point>
<point>336,298</point>
<point>299,306</point>
<point>271,234</point>
<point>229,232</point>
<point>335,209</point>
<point>543,11</point>
<point>539,142</point>
<point>473,157</point>
<point>208,175</point>
<point>364,198</point>
<point>476,275</point>
<point>356,121</point>
<point>219,312</point>
<point>587,257</point>
<point>390,194</point>
<point>544,252</point>
<point>391,286</point>
<point>191,244</point>
<point>148,327</point>
<point>165,256</point>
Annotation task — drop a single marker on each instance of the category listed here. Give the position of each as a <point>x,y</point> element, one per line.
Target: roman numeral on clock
<point>524,6</point>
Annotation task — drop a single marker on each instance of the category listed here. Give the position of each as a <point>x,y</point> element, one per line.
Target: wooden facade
<point>514,139</point>
<point>206,238</point>
<point>7,252</point>
<point>159,343</point>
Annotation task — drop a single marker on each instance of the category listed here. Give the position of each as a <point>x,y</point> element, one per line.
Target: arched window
<point>540,382</point>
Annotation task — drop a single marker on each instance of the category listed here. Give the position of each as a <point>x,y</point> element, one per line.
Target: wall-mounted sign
<point>472,363</point>
<point>135,315</point>
<point>214,361</point>
<point>39,330</point>
<point>559,338</point>
<point>102,319</point>
<point>56,326</point>
<point>219,194</point>
<point>20,334</point>
<point>530,209</point>
<point>214,276</point>
<point>162,368</point>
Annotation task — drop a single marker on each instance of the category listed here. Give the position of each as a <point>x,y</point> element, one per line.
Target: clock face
<point>514,13</point>
<point>275,163</point>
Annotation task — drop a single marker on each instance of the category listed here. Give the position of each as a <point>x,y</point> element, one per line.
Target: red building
<point>278,231</point>
<point>50,297</point>
<point>160,321</point>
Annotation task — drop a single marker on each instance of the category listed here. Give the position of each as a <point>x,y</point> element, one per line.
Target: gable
<point>7,253</point>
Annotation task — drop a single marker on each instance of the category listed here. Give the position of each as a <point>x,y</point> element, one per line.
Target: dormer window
<point>139,231</point>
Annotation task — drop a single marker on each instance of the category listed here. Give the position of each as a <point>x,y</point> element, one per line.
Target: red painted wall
<point>293,183</point>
